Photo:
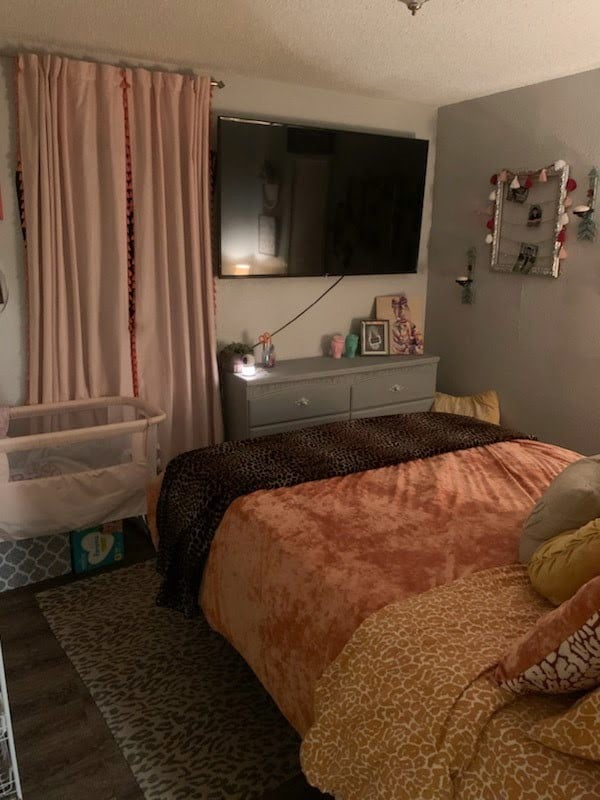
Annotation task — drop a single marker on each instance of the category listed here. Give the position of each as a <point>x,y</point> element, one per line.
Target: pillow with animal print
<point>561,653</point>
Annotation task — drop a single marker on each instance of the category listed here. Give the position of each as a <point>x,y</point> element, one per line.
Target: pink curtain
<point>175,315</point>
<point>115,175</point>
<point>72,150</point>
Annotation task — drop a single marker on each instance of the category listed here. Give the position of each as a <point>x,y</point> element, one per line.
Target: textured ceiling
<point>452,49</point>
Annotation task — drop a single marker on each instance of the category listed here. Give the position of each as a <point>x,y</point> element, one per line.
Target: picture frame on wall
<point>374,337</point>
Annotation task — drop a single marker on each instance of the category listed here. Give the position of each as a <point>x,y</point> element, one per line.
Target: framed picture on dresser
<point>405,320</point>
<point>374,337</point>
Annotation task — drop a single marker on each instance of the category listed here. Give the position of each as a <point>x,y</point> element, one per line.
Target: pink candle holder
<point>337,346</point>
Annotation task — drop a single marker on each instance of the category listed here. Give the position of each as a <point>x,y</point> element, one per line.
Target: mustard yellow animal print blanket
<point>409,710</point>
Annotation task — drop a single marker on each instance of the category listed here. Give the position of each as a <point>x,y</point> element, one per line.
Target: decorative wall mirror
<point>529,219</point>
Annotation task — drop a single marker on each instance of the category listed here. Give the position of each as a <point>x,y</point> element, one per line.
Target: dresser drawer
<point>282,427</point>
<point>299,403</point>
<point>401,408</point>
<point>399,386</point>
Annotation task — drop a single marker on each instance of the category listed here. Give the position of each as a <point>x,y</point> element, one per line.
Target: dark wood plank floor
<point>64,747</point>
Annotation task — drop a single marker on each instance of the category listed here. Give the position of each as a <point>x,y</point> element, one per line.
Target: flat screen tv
<point>298,201</point>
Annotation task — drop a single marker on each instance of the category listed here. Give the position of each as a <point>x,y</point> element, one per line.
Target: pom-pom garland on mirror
<point>571,185</point>
<point>524,179</point>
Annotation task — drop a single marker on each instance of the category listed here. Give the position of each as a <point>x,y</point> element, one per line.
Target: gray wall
<point>536,340</point>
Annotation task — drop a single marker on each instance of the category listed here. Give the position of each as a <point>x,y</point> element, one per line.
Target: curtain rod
<point>11,52</point>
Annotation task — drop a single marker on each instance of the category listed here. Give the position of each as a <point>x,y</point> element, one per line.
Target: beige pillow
<point>483,406</point>
<point>571,501</point>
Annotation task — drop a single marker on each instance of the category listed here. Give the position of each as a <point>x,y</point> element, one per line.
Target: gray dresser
<point>311,391</point>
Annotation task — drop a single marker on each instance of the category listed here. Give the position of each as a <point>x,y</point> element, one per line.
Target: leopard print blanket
<point>199,486</point>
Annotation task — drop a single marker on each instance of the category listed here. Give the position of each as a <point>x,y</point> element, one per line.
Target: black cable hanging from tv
<point>314,303</point>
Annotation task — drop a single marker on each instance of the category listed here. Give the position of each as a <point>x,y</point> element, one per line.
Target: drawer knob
<point>303,401</point>
<point>397,387</point>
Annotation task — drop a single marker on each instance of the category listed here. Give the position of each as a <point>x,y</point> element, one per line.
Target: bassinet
<point>75,464</point>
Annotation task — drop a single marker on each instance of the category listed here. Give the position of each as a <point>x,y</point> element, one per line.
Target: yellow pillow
<point>560,567</point>
<point>575,731</point>
<point>483,406</point>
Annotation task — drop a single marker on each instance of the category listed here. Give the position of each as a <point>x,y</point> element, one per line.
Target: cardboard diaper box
<point>92,548</point>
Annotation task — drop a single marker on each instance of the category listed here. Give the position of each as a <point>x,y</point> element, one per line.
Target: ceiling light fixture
<point>414,5</point>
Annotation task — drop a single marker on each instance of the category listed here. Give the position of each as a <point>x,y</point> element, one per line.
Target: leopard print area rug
<point>186,711</point>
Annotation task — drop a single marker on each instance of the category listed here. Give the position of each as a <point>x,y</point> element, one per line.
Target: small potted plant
<point>230,356</point>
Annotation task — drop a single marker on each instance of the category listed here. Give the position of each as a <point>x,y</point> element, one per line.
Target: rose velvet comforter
<point>293,572</point>
<point>199,486</point>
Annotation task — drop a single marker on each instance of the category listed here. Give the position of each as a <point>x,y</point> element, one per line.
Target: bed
<point>294,570</point>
